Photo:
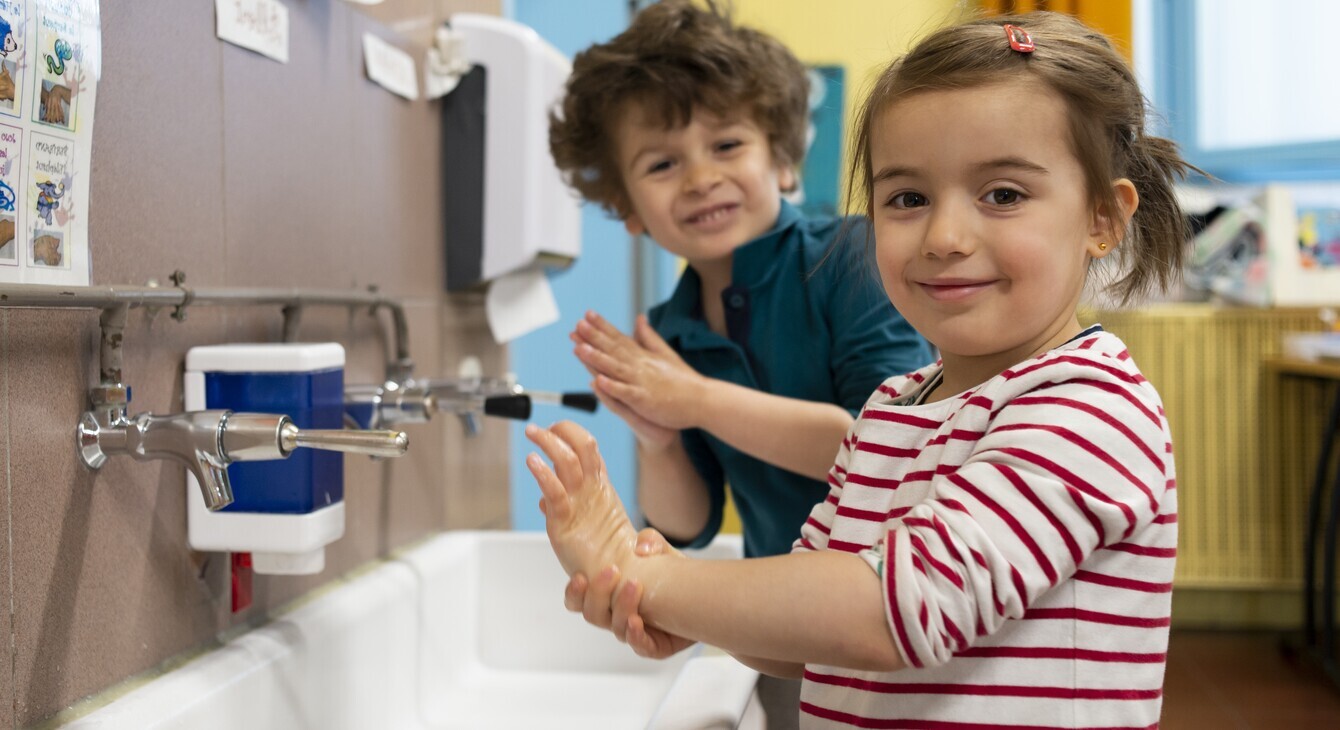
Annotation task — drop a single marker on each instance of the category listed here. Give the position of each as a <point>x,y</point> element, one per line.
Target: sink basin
<point>465,630</point>
<point>502,652</point>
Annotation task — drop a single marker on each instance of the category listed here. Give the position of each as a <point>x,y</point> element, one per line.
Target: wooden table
<point>1321,648</point>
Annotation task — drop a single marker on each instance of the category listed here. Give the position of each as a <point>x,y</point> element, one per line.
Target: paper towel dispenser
<point>506,206</point>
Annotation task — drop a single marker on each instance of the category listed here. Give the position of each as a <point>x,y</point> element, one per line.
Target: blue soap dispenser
<point>286,511</point>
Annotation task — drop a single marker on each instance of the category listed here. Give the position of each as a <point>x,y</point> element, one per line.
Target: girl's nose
<point>948,232</point>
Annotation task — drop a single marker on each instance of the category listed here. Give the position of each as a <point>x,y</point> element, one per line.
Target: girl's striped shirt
<point>1024,532</point>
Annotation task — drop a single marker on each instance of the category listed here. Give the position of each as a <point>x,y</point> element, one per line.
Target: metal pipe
<point>114,296</point>
<point>113,322</point>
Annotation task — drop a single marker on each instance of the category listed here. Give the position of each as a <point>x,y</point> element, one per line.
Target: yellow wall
<point>860,35</point>
<point>1110,17</point>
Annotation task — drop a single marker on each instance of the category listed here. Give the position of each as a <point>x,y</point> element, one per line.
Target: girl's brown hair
<point>1106,119</point>
<point>676,57</point>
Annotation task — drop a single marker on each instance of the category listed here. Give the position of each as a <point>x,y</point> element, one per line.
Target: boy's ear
<point>633,224</point>
<point>786,178</point>
<point>1109,226</point>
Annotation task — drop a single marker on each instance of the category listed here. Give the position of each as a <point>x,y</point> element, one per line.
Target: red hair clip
<point>1019,39</point>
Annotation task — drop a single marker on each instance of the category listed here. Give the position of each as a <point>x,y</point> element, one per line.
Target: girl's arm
<point>824,607</point>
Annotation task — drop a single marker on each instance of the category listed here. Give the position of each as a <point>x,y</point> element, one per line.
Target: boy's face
<point>702,190</point>
<point>983,226</point>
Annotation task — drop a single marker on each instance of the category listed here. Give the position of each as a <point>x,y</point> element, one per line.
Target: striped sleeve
<point>1068,466</point>
<point>818,526</point>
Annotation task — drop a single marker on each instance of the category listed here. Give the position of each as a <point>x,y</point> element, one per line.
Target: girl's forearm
<point>823,608</point>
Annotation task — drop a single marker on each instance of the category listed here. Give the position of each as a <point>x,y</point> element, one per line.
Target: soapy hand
<point>603,607</point>
<point>586,522</point>
<point>642,373</point>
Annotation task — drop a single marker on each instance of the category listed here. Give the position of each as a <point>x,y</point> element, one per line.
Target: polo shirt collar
<point>751,264</point>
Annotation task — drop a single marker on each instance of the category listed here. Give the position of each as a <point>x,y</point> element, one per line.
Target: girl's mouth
<point>953,290</point>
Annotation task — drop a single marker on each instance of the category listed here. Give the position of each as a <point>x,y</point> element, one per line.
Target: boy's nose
<point>701,178</point>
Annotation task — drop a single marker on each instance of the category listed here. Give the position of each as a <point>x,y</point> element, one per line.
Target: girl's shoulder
<point>1094,366</point>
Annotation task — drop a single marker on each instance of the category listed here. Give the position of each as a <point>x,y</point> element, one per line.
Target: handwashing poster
<point>50,60</point>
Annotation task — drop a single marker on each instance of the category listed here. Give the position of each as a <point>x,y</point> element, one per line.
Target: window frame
<point>1174,69</point>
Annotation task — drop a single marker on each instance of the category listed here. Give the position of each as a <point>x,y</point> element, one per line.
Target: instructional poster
<point>50,61</point>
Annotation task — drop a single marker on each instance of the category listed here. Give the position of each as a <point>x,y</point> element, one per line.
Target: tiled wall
<point>242,172</point>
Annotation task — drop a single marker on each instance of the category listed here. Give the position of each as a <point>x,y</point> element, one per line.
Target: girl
<point>997,545</point>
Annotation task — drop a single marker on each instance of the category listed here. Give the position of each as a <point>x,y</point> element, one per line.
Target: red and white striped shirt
<point>1025,533</point>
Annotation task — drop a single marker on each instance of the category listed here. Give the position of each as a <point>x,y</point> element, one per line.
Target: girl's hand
<point>602,606</point>
<point>587,526</point>
<point>642,372</point>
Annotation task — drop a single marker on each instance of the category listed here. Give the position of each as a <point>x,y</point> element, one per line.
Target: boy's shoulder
<point>838,242</point>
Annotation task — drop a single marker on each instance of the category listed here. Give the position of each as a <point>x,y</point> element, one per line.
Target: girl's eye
<point>1004,196</point>
<point>907,200</point>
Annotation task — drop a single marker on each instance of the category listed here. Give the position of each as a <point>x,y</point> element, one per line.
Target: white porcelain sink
<point>466,630</point>
<point>507,654</point>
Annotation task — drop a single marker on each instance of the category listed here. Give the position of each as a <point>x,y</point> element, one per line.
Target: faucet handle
<point>508,406</point>
<point>260,437</point>
<point>372,443</point>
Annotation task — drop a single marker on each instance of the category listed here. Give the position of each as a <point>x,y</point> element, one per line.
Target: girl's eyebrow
<point>1002,163</point>
<point>1012,163</point>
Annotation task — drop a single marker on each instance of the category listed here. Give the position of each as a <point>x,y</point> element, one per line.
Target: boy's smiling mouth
<point>713,216</point>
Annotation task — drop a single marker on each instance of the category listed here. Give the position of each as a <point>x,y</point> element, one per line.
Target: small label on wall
<point>257,25</point>
<point>390,67</point>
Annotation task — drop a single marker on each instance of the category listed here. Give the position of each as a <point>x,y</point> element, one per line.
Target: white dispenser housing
<point>529,216</point>
<point>286,511</point>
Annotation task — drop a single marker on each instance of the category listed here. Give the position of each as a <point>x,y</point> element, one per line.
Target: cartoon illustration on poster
<point>13,30</point>
<point>11,150</point>
<point>59,68</point>
<point>50,180</point>
<point>50,61</point>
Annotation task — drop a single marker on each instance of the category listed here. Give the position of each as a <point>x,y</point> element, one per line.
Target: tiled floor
<point>1242,680</point>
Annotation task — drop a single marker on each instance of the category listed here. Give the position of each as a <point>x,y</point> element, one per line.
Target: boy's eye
<point>1003,196</point>
<point>728,145</point>
<point>658,166</point>
<point>907,200</point>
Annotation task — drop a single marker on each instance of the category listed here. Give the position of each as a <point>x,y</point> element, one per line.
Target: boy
<point>689,129</point>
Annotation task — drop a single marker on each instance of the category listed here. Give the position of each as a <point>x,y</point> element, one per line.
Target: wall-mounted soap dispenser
<point>284,512</point>
<point>506,205</point>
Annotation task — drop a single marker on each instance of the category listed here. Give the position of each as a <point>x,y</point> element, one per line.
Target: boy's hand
<point>602,606</point>
<point>642,372</point>
<point>584,517</point>
<point>647,433</point>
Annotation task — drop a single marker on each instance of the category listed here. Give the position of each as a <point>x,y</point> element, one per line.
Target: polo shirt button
<point>736,301</point>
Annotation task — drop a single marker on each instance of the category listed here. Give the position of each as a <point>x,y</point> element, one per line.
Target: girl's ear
<point>1109,227</point>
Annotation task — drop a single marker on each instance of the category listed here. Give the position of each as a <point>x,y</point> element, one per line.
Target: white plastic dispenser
<point>506,206</point>
<point>286,511</point>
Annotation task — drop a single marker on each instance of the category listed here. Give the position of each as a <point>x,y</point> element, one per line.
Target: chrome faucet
<point>206,442</point>
<point>415,401</point>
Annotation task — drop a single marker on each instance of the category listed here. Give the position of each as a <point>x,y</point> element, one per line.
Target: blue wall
<point>601,280</point>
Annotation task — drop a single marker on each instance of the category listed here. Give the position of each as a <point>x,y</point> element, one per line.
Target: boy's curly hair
<point>676,57</point>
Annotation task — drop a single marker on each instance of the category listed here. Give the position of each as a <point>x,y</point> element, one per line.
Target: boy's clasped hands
<point>592,536</point>
<point>640,378</point>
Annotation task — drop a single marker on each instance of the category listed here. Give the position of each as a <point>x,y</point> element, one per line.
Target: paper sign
<point>519,303</point>
<point>257,25</point>
<point>390,67</point>
<point>50,62</point>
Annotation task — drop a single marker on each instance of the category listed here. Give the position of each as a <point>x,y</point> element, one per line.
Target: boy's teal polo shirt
<point>796,329</point>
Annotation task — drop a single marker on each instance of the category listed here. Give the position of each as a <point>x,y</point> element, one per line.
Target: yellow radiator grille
<point>1245,439</point>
